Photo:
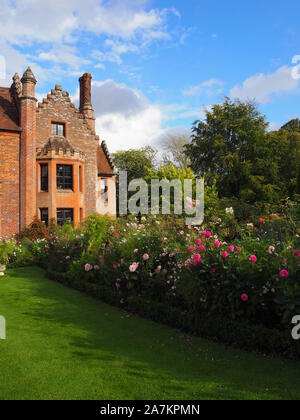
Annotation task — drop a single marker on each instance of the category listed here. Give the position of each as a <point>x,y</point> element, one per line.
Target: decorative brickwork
<point>59,108</point>
<point>9,183</point>
<point>27,145</point>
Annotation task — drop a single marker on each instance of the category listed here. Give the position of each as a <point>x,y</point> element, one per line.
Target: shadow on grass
<point>149,355</point>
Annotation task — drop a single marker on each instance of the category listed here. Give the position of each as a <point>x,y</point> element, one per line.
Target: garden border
<point>241,335</point>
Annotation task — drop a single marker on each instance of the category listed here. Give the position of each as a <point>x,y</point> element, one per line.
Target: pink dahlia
<point>201,248</point>
<point>245,297</point>
<point>284,274</point>
<point>271,249</point>
<point>88,267</point>
<point>197,260</point>
<point>133,267</point>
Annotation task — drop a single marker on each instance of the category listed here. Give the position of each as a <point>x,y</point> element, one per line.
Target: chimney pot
<point>85,91</point>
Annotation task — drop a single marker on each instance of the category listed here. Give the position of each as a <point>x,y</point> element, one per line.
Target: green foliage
<point>135,161</point>
<point>293,125</point>
<point>170,172</point>
<point>95,231</point>
<point>36,230</point>
<point>233,148</point>
<point>15,253</point>
<point>155,259</point>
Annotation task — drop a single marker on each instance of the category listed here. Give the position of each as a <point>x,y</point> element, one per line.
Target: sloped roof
<point>9,116</point>
<point>105,163</point>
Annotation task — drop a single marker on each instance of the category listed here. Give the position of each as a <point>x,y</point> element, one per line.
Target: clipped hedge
<point>242,335</point>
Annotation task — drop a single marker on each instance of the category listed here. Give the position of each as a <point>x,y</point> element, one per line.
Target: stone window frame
<point>65,185</point>
<point>54,120</point>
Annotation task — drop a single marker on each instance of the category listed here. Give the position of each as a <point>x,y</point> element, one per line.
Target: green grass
<point>64,345</point>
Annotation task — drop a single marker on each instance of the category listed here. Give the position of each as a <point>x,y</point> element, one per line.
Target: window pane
<point>44,177</point>
<point>44,216</point>
<point>58,129</point>
<point>80,178</point>
<point>64,177</point>
<point>64,216</point>
<point>104,190</point>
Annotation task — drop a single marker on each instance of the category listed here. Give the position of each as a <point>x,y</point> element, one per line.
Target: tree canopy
<point>174,151</point>
<point>233,148</point>
<point>135,161</point>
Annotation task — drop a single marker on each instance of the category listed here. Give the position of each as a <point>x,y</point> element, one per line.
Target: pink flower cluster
<point>88,267</point>
<point>134,267</point>
<point>207,234</point>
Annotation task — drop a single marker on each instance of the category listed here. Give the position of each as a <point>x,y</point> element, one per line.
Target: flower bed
<point>187,277</point>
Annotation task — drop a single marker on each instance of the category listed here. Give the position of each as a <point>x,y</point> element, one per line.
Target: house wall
<point>54,199</point>
<point>58,108</point>
<point>9,184</point>
<point>110,207</point>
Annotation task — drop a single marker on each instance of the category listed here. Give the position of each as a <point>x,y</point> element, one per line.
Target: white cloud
<point>27,21</point>
<point>111,97</point>
<point>173,112</point>
<point>208,87</point>
<point>140,130</point>
<point>55,28</point>
<point>263,87</point>
<point>126,119</point>
<point>63,54</point>
<point>100,66</point>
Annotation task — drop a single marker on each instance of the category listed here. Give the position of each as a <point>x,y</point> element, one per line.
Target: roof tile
<point>9,116</point>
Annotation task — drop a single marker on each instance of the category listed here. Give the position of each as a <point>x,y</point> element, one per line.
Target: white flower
<point>230,211</point>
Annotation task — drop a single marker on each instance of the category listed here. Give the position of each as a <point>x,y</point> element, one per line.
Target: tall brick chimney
<point>85,106</point>
<point>28,149</point>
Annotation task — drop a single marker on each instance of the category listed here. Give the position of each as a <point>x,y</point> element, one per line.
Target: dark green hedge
<point>242,335</point>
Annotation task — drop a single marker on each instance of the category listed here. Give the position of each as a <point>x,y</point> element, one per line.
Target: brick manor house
<point>51,161</point>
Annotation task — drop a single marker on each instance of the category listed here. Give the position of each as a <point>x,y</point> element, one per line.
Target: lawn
<point>64,345</point>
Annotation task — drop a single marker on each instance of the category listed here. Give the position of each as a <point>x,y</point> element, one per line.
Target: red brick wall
<point>28,162</point>
<point>58,108</point>
<point>9,180</point>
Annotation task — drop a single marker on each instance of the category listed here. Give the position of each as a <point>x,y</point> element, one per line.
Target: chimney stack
<point>28,148</point>
<point>86,107</point>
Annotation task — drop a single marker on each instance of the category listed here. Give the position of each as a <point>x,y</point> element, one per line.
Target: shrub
<point>37,230</point>
<point>240,273</point>
<point>15,253</point>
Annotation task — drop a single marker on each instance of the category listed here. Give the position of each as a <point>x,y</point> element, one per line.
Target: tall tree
<point>293,125</point>
<point>286,151</point>
<point>135,161</point>
<point>230,147</point>
<point>174,151</point>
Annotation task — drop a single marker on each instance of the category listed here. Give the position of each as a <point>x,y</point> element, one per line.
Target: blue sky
<point>157,64</point>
